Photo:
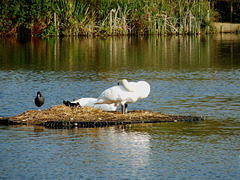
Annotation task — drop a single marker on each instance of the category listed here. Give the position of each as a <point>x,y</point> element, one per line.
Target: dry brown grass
<point>78,114</point>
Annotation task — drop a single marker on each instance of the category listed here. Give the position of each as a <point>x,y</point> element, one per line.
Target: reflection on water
<point>197,75</point>
<point>117,54</point>
<point>152,151</point>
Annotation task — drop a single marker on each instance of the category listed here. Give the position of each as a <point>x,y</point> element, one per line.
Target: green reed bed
<point>105,17</point>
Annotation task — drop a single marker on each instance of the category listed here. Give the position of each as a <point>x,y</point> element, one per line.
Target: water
<point>159,151</point>
<point>188,76</point>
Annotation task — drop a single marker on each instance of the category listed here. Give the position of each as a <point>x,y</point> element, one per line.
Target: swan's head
<point>122,82</point>
<point>125,84</point>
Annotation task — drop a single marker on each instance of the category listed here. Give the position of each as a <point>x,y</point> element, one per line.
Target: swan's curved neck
<point>125,84</point>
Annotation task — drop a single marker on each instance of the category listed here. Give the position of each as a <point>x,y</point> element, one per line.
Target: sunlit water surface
<point>188,76</point>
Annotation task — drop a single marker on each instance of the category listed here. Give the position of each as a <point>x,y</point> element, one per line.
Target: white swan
<point>125,93</point>
<point>91,102</point>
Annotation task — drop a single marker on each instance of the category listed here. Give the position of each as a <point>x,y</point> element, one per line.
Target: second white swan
<point>92,103</point>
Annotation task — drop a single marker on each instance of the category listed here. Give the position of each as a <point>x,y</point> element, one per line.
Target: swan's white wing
<point>91,102</point>
<point>143,89</point>
<point>85,101</point>
<point>106,107</point>
<point>117,95</point>
<point>110,95</point>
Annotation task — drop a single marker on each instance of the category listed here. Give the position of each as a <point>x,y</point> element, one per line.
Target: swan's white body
<point>125,93</point>
<point>92,103</point>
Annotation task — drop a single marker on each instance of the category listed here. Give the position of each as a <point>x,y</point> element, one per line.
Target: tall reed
<point>104,17</point>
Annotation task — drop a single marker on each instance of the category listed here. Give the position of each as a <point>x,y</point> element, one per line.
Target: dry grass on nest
<point>76,114</point>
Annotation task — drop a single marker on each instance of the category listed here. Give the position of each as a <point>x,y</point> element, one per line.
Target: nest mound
<point>69,116</point>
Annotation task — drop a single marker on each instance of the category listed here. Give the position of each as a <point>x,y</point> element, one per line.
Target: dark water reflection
<point>188,76</point>
<point>117,54</point>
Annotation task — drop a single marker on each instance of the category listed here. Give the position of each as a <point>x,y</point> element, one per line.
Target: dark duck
<point>39,100</point>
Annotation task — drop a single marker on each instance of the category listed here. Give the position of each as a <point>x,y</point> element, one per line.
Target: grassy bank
<point>104,17</point>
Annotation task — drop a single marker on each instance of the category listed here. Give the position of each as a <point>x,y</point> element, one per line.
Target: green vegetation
<point>104,17</point>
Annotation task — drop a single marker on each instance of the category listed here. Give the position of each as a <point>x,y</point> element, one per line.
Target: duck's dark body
<point>39,100</point>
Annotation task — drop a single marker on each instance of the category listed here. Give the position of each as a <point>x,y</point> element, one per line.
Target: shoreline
<point>219,28</point>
